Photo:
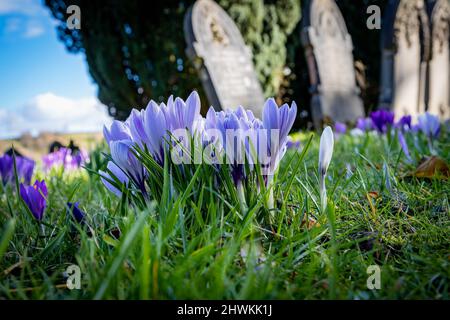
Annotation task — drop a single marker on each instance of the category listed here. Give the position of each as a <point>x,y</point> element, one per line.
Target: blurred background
<point>57,80</point>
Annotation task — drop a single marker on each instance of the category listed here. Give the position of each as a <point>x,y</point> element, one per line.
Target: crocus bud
<point>325,154</point>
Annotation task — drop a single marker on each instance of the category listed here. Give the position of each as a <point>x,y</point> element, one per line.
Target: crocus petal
<point>156,127</point>
<point>381,119</point>
<point>270,114</point>
<point>117,131</point>
<point>42,187</point>
<point>192,109</point>
<point>292,115</point>
<point>105,177</point>
<point>124,157</point>
<point>280,119</point>
<point>325,149</point>
<point>34,197</point>
<point>77,214</point>
<point>6,168</point>
<point>402,140</point>
<point>292,144</point>
<point>364,124</point>
<point>404,123</point>
<point>118,173</point>
<point>24,168</point>
<point>137,130</point>
<point>24,192</point>
<point>429,124</point>
<point>119,153</point>
<point>340,128</point>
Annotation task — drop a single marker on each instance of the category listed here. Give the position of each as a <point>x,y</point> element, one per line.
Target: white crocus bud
<point>325,154</point>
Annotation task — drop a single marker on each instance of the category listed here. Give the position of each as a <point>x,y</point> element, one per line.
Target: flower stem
<point>41,233</point>
<point>430,146</point>
<point>241,196</point>
<point>270,199</point>
<point>323,193</point>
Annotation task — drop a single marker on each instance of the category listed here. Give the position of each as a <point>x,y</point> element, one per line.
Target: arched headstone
<point>225,64</point>
<point>405,52</point>
<point>328,50</point>
<point>439,70</point>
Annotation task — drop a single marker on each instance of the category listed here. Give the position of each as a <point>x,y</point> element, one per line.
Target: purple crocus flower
<point>382,119</point>
<point>429,124</point>
<point>340,128</point>
<point>404,123</point>
<point>229,132</point>
<point>35,198</point>
<point>24,168</point>
<point>182,115</point>
<point>325,154</point>
<point>403,144</point>
<point>150,126</point>
<point>117,173</point>
<point>77,214</point>
<point>364,124</point>
<point>234,134</point>
<point>292,144</point>
<point>66,158</point>
<point>243,138</point>
<point>280,121</point>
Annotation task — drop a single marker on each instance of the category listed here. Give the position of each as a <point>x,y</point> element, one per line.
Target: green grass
<point>195,242</point>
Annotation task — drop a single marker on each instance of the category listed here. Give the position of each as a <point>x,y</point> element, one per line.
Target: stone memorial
<point>329,55</point>
<point>224,62</point>
<point>405,53</point>
<point>439,71</point>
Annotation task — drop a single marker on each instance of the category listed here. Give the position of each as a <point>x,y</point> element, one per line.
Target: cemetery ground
<point>203,247</point>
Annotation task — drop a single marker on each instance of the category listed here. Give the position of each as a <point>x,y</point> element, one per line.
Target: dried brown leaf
<point>433,167</point>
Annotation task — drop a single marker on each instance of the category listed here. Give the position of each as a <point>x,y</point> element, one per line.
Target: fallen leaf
<point>433,167</point>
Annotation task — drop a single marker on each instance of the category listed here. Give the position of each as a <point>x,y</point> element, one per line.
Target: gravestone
<point>224,62</point>
<point>328,50</point>
<point>439,71</point>
<point>405,53</point>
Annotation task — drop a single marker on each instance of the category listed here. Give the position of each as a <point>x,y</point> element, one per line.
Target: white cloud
<point>29,18</point>
<point>25,7</point>
<point>52,113</point>
<point>33,29</point>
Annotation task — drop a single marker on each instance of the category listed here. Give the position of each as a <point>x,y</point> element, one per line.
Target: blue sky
<point>39,76</point>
